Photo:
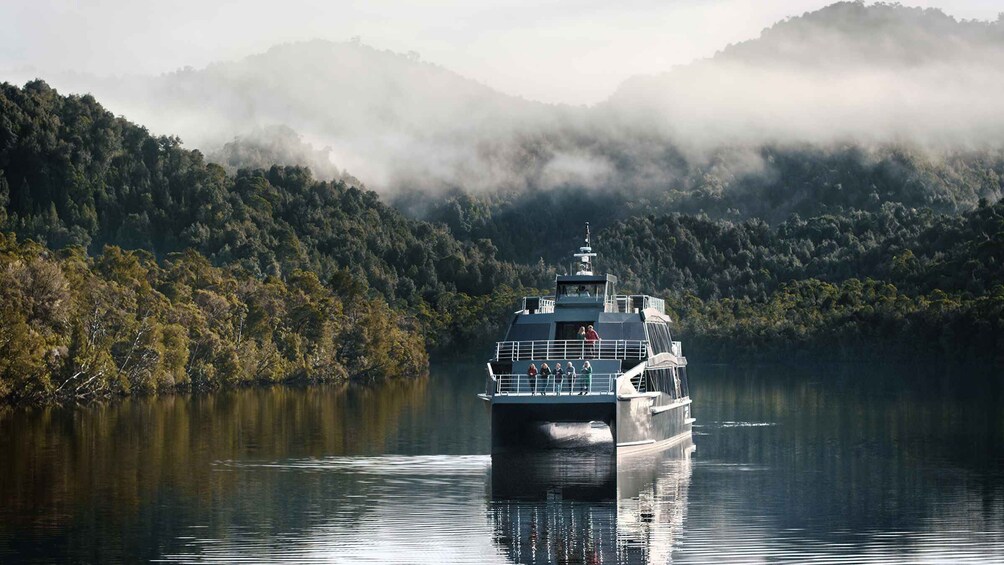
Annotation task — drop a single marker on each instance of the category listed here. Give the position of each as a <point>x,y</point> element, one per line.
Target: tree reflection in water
<point>589,505</point>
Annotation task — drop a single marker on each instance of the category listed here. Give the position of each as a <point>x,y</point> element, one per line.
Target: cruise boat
<point>638,384</point>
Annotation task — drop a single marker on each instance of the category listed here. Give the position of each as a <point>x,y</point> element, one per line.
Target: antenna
<point>585,255</point>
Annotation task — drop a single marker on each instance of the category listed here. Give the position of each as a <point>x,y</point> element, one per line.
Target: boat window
<point>667,381</point>
<point>528,332</point>
<point>659,337</point>
<point>569,330</point>
<point>581,289</point>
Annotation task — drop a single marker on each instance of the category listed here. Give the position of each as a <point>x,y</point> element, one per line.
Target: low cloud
<point>847,74</point>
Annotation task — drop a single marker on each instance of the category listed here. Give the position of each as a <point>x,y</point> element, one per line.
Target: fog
<point>400,121</point>
<point>572,51</point>
<point>845,74</point>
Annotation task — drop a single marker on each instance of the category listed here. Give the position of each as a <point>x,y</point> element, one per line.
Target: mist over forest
<point>849,74</point>
<point>845,107</point>
<point>833,185</point>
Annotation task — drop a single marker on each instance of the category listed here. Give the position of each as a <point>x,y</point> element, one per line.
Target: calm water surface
<point>842,465</point>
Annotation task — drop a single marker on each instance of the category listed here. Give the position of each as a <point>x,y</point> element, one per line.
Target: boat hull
<point>644,421</point>
<point>637,423</point>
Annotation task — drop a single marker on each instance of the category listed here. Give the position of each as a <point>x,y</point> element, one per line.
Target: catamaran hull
<point>515,426</point>
<point>635,424</point>
<point>642,425</point>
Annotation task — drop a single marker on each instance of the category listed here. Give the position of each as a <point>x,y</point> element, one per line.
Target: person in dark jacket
<point>559,378</point>
<point>545,375</point>
<point>531,376</point>
<point>587,377</point>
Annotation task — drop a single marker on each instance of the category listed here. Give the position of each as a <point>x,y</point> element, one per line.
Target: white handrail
<point>611,303</point>
<point>570,349</point>
<point>520,385</point>
<point>622,303</point>
<point>625,381</point>
<point>545,304</point>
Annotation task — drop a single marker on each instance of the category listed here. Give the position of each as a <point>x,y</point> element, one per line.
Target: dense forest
<point>132,264</point>
<point>73,174</point>
<point>806,180</point>
<point>895,284</point>
<point>917,250</point>
<point>76,326</point>
<point>73,177</point>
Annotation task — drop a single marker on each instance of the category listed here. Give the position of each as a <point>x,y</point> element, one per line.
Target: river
<point>841,465</point>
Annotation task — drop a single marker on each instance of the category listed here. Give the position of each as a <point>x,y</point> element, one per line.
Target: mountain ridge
<point>399,123</point>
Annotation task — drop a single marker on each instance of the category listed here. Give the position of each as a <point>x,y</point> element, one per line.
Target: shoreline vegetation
<point>129,265</point>
<point>77,327</point>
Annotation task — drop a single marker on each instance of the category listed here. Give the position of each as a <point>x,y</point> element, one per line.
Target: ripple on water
<point>377,465</point>
<point>381,509</point>
<point>742,424</point>
<point>701,545</point>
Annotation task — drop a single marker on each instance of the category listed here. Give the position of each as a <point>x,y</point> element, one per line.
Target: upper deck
<point>622,303</point>
<point>549,327</point>
<point>589,292</point>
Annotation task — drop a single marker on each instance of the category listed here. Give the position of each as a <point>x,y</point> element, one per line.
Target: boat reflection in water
<point>590,505</point>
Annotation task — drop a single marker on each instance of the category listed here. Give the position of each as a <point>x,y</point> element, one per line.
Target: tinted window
<point>659,337</point>
<point>664,380</point>
<point>581,289</point>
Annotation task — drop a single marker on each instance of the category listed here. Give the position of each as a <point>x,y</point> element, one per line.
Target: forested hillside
<point>267,267</point>
<point>895,284</point>
<point>808,181</point>
<point>917,250</point>
<point>889,91</point>
<point>121,322</point>
<point>73,174</point>
<point>277,145</point>
<point>844,108</point>
<point>845,235</point>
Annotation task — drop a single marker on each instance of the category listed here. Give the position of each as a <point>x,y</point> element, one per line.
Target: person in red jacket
<point>592,338</point>
<point>531,375</point>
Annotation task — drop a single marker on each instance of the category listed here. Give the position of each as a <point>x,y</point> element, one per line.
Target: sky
<point>570,51</point>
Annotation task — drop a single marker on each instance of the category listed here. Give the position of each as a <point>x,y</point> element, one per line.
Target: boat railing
<point>630,302</point>
<point>657,303</point>
<point>640,382</point>
<point>537,305</point>
<point>565,349</point>
<point>521,385</point>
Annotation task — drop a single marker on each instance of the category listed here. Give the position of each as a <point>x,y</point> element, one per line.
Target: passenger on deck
<point>545,375</point>
<point>587,377</point>
<point>581,336</point>
<point>531,375</point>
<point>591,338</point>
<point>571,377</point>
<point>559,378</point>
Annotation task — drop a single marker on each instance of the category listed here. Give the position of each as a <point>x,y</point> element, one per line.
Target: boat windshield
<point>581,289</point>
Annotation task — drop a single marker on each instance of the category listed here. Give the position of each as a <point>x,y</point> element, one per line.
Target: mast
<point>585,256</point>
